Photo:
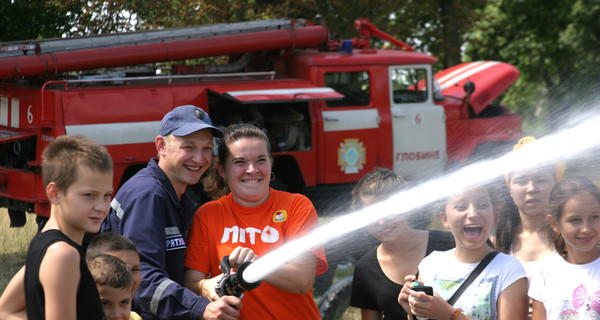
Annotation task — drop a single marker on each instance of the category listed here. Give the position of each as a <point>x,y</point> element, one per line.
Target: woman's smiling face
<point>470,217</point>
<point>248,171</point>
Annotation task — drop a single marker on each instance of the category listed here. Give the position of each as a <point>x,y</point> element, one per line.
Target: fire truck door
<point>418,125</point>
<point>350,130</point>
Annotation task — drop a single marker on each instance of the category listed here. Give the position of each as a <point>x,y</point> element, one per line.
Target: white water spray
<point>558,146</point>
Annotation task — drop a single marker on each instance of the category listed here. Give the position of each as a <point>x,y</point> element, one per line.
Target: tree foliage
<point>34,19</point>
<point>103,17</point>
<point>555,45</point>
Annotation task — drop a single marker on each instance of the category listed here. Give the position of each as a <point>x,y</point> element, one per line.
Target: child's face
<point>387,229</point>
<point>530,191</point>
<point>86,201</point>
<point>116,302</point>
<point>579,225</point>
<point>470,217</point>
<point>132,259</point>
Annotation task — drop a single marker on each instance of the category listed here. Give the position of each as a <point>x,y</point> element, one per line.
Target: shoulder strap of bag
<point>472,276</point>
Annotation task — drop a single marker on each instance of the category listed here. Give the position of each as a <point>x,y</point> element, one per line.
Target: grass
<point>14,243</point>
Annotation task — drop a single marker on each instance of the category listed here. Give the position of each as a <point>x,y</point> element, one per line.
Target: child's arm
<point>539,310</point>
<point>60,276</point>
<point>368,314</point>
<point>513,302</point>
<point>12,301</point>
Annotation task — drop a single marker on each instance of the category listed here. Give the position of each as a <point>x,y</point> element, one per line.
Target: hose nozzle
<point>234,284</point>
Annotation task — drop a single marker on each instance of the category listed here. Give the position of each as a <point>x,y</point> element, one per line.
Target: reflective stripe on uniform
<point>170,231</point>
<point>158,294</point>
<point>117,207</point>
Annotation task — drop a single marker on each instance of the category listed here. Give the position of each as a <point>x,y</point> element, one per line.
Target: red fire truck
<point>333,110</point>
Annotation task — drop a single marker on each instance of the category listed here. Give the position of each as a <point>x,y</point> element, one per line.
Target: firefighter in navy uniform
<point>153,211</point>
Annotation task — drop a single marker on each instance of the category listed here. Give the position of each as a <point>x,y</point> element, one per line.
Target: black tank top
<point>88,299</point>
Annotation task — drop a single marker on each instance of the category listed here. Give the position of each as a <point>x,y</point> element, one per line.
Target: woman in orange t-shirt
<point>249,222</point>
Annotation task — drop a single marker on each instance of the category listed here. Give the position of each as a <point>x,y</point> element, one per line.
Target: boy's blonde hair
<point>110,271</point>
<point>63,156</point>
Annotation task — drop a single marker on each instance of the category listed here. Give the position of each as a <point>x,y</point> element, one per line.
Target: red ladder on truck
<point>16,48</point>
<point>51,56</point>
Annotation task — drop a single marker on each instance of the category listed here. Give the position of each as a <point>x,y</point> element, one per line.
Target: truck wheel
<point>336,300</point>
<point>17,218</point>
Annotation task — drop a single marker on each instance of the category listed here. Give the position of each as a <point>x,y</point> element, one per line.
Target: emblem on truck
<point>351,156</point>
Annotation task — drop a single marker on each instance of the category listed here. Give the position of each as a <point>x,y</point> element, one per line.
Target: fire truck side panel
<point>105,105</point>
<point>190,93</point>
<point>509,125</point>
<point>459,146</point>
<point>21,181</point>
<point>481,135</point>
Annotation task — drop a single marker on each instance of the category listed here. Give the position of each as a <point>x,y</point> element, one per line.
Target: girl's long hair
<point>508,220</point>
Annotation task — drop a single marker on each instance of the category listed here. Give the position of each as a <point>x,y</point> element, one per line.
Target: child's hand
<point>423,305</point>
<point>405,292</point>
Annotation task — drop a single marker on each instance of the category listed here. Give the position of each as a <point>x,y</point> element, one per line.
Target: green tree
<point>102,17</point>
<point>556,46</point>
<point>34,19</point>
<point>179,13</point>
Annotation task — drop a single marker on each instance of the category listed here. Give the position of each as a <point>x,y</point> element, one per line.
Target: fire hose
<point>233,283</point>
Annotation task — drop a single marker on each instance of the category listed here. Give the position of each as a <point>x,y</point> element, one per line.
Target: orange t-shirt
<point>222,225</point>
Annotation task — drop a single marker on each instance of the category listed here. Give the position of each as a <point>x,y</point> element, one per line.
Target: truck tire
<point>17,218</point>
<point>336,300</point>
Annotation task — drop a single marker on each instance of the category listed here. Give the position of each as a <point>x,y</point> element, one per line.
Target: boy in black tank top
<point>77,174</point>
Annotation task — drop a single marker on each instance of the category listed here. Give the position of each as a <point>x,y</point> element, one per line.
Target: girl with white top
<point>499,292</point>
<point>568,285</point>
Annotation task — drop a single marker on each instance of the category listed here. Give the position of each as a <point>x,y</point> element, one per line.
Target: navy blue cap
<point>187,119</point>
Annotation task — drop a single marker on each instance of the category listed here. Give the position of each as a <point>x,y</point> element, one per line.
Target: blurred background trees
<point>555,44</point>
